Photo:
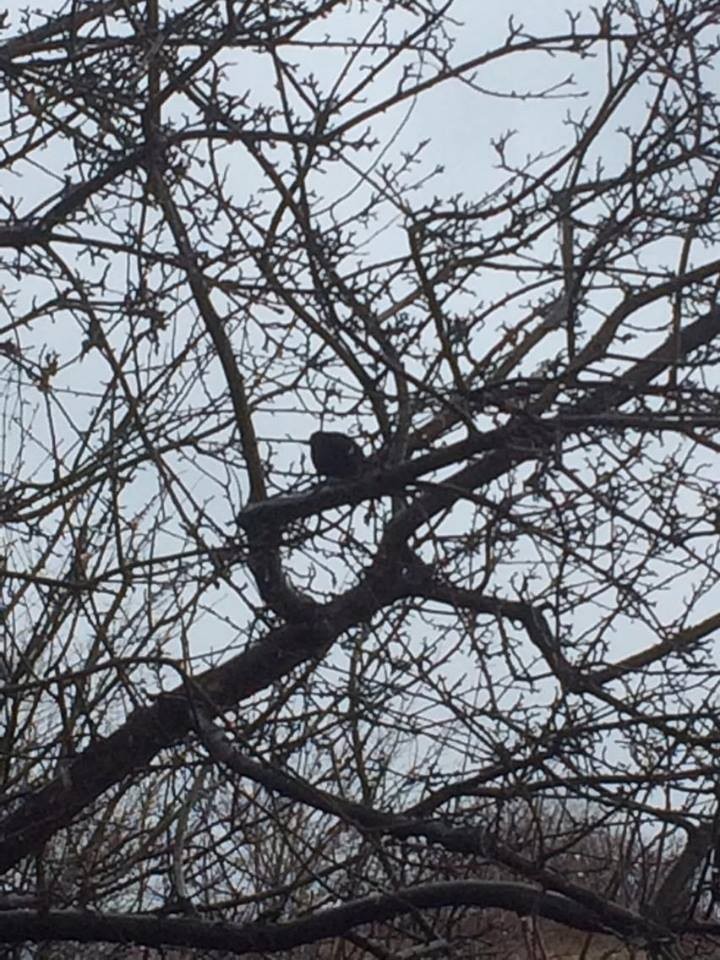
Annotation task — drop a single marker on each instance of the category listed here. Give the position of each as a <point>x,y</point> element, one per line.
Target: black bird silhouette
<point>335,454</point>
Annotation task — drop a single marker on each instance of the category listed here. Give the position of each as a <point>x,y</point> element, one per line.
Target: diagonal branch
<point>148,730</point>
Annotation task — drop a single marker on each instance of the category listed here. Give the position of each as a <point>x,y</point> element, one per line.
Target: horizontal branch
<point>17,926</point>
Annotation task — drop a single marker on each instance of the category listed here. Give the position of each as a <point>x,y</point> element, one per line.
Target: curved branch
<point>464,840</point>
<point>520,898</point>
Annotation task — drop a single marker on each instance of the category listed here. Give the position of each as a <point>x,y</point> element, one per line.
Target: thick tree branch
<point>17,926</point>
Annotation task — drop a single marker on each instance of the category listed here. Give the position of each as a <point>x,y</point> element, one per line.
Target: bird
<point>335,454</point>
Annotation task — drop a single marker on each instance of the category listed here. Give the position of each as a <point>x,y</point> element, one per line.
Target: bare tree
<point>251,709</point>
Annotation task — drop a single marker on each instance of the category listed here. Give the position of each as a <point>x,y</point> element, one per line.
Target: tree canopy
<point>251,709</point>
